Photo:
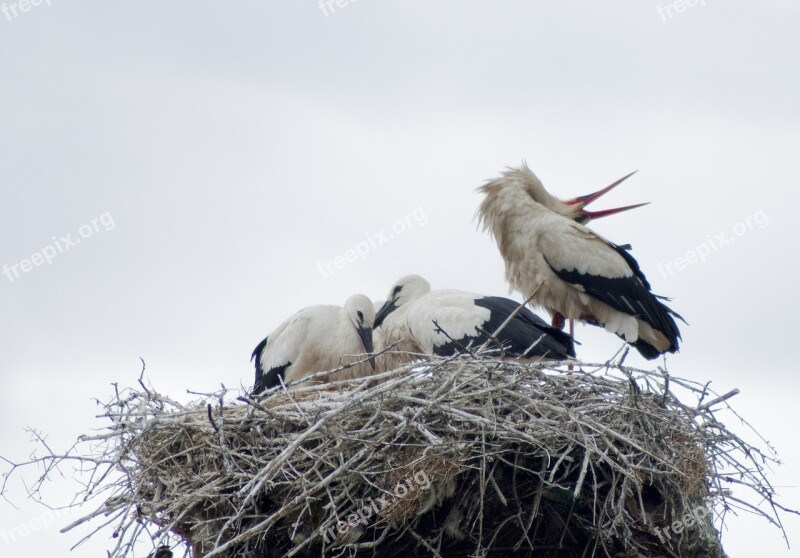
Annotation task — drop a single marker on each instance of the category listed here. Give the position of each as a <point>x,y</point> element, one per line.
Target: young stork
<point>316,339</point>
<point>573,272</point>
<point>464,320</point>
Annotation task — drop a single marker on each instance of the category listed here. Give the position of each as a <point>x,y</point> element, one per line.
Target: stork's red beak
<point>586,216</point>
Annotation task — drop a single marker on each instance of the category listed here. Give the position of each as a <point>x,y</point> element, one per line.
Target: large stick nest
<point>466,456</point>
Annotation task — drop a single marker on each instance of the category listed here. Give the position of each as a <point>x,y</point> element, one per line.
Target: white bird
<point>316,339</point>
<point>574,272</point>
<point>445,322</point>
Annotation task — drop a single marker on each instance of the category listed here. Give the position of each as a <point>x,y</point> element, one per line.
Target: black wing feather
<point>525,329</point>
<point>270,378</point>
<point>630,295</point>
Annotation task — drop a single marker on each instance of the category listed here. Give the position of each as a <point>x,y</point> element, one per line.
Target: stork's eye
<point>396,290</point>
<point>360,316</point>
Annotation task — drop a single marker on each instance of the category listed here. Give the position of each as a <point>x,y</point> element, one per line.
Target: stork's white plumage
<point>574,272</point>
<point>462,320</point>
<point>316,339</point>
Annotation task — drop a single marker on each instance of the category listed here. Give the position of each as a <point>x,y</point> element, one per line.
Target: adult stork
<point>569,270</point>
<point>462,320</point>
<point>316,339</point>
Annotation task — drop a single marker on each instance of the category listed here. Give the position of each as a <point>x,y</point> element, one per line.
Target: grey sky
<point>237,145</point>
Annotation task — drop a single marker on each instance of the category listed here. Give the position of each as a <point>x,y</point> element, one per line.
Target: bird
<point>568,269</point>
<point>316,339</point>
<point>445,322</point>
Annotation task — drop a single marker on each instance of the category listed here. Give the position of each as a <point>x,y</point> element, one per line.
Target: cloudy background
<point>228,152</point>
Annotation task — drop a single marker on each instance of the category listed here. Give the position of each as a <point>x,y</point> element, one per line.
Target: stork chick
<point>316,339</point>
<point>445,322</point>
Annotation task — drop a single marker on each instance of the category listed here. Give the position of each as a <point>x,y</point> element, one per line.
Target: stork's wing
<point>278,351</point>
<point>458,321</point>
<point>606,272</point>
<point>568,246</point>
<point>468,320</point>
<point>526,334</point>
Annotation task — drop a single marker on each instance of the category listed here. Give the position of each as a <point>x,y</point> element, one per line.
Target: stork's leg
<point>571,334</point>
<point>558,321</point>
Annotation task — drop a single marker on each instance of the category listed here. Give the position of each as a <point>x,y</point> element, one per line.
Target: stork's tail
<point>653,342</point>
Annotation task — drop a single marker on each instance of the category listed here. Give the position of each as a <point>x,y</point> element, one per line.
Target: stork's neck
<point>345,336</point>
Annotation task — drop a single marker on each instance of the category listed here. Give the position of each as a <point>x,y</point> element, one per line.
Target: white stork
<point>573,272</point>
<point>463,320</point>
<point>316,339</point>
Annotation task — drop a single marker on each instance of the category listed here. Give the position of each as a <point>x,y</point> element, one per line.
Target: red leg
<point>558,321</point>
<point>571,334</point>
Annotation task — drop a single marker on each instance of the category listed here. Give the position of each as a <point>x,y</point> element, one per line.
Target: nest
<point>465,456</point>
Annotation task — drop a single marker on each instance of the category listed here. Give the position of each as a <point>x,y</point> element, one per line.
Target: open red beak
<point>589,198</point>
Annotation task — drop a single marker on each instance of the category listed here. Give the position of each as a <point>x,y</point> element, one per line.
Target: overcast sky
<point>186,175</point>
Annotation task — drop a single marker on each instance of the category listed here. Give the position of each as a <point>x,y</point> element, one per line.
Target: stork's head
<point>523,179</point>
<point>359,309</point>
<point>575,208</point>
<point>406,289</point>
